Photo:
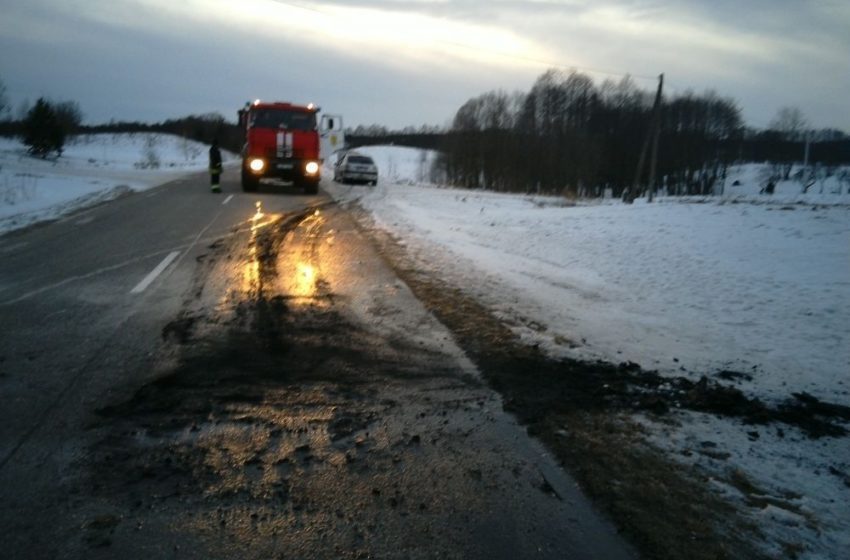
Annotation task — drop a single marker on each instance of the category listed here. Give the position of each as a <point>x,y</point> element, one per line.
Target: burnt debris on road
<point>307,406</point>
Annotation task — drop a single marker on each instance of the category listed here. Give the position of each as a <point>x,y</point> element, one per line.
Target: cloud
<point>412,61</point>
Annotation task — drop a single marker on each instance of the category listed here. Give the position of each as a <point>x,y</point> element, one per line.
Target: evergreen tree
<point>43,132</point>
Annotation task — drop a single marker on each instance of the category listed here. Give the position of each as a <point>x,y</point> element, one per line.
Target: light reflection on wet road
<point>296,424</point>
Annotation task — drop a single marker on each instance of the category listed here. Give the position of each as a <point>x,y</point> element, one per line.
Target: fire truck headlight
<point>311,168</point>
<point>257,165</point>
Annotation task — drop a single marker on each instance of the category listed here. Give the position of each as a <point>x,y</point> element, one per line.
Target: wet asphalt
<point>276,392</point>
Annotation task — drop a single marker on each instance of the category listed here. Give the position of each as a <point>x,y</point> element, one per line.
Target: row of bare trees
<point>568,135</point>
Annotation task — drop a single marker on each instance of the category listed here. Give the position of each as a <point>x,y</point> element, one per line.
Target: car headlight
<point>311,168</point>
<point>256,165</point>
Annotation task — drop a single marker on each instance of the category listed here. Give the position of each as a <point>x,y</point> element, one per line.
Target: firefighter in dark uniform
<point>215,166</point>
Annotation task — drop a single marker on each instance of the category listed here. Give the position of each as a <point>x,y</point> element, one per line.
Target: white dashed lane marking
<point>147,280</point>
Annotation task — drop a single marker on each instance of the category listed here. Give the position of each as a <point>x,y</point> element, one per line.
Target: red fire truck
<point>281,142</point>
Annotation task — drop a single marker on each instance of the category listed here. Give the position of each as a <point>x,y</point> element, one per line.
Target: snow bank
<point>746,182</point>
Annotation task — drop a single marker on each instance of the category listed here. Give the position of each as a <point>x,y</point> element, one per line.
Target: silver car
<point>353,167</point>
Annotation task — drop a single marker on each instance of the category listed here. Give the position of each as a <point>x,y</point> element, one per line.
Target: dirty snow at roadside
<point>93,168</point>
<point>744,282</point>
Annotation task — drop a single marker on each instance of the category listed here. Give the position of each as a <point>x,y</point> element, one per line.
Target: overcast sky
<point>410,62</point>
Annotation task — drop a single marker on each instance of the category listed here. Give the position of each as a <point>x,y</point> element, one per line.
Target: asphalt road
<point>196,375</point>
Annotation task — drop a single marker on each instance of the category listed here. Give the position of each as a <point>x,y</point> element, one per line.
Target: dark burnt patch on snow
<point>534,384</point>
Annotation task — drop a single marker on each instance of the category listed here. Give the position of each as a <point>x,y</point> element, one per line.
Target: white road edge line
<point>142,286</point>
<point>226,200</point>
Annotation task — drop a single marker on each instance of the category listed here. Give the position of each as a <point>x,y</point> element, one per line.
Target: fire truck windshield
<point>290,120</point>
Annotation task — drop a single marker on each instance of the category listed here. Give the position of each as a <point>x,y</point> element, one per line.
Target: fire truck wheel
<point>249,184</point>
<point>311,187</point>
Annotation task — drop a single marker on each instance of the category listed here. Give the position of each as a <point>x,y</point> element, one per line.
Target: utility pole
<point>653,160</point>
<point>651,136</point>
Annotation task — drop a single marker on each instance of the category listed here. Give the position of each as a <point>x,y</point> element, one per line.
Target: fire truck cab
<point>282,141</point>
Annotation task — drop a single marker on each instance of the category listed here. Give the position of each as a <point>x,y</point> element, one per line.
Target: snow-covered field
<point>754,283</point>
<point>93,168</point>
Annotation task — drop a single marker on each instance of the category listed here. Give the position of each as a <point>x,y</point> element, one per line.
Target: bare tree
<point>844,181</point>
<point>5,107</point>
<point>566,135</point>
<point>150,156</point>
<point>791,122</point>
<point>69,115</point>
